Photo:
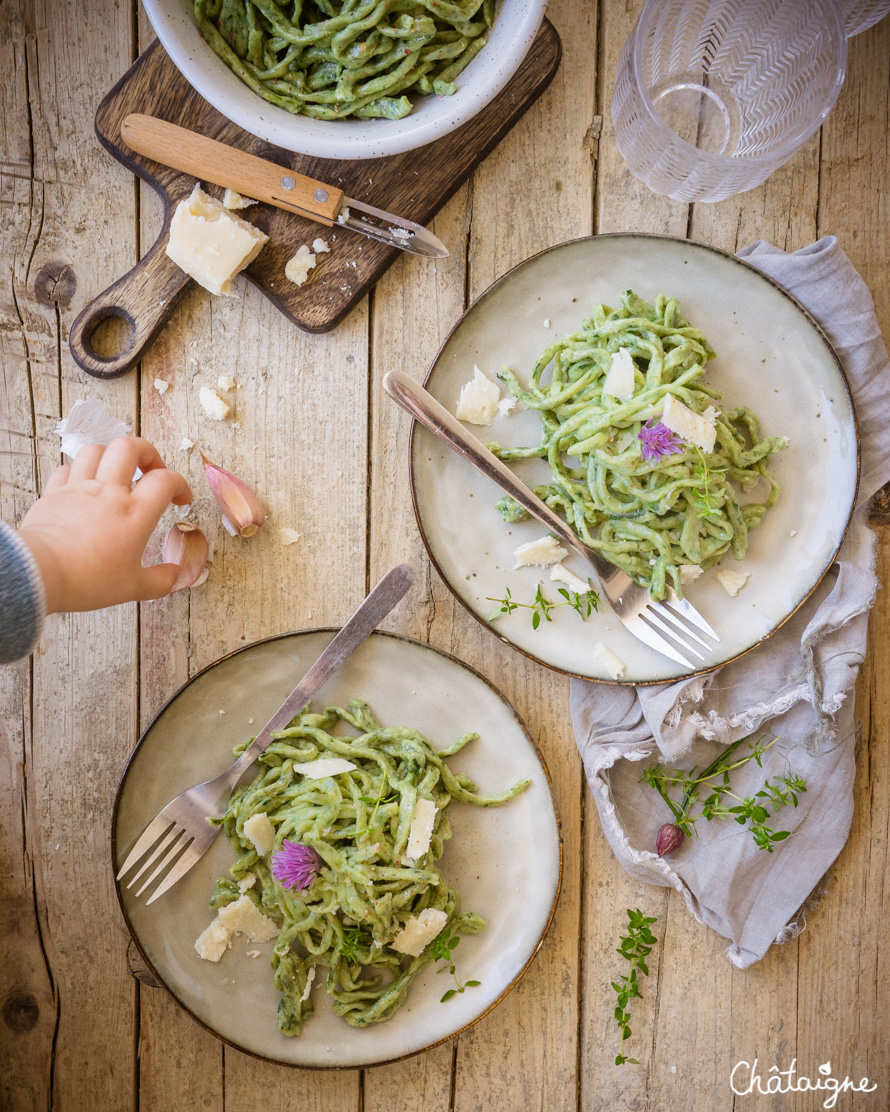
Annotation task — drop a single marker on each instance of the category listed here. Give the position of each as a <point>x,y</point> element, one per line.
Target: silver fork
<point>180,834</point>
<point>633,605</point>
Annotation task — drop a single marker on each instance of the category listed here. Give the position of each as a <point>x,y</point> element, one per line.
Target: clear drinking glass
<point>713,95</point>
<point>859,15</point>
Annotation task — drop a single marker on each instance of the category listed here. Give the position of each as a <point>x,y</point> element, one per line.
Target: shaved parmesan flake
<point>559,574</point>
<point>288,536</point>
<point>422,820</point>
<point>690,572</point>
<point>244,917</point>
<point>260,832</point>
<point>614,665</point>
<point>213,942</point>
<point>247,881</point>
<point>419,931</point>
<point>479,398</point>
<point>540,553</point>
<point>698,430</point>
<point>733,581</point>
<point>325,766</point>
<point>620,379</point>
<point>310,977</point>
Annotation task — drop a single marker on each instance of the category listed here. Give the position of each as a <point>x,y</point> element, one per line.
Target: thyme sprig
<point>703,495</point>
<point>751,810</point>
<point>353,938</point>
<point>442,947</point>
<point>635,947</point>
<point>375,803</point>
<point>583,603</point>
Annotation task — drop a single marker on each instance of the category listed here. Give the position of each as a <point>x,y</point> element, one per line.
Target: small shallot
<point>668,838</point>
<point>242,513</point>
<point>187,546</point>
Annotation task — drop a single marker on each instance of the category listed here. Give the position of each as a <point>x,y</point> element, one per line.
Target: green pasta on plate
<point>647,464</point>
<point>337,840</point>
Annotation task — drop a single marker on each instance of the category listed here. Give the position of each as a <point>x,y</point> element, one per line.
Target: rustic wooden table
<point>80,1030</point>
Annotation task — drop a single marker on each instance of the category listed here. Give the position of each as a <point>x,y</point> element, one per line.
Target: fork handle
<point>423,407</point>
<point>363,622</point>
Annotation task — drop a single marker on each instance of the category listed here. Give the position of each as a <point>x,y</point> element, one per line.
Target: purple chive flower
<point>295,865</point>
<point>658,440</point>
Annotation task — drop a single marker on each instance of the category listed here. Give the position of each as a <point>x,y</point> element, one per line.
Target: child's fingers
<point>157,581</point>
<point>86,462</point>
<point>155,491</point>
<point>122,456</point>
<point>58,478</point>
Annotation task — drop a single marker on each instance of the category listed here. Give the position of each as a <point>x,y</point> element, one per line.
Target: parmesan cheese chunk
<point>479,398</point>
<point>614,665</point>
<point>260,832</point>
<point>244,917</point>
<point>320,247</point>
<point>559,574</point>
<point>540,553</point>
<point>733,581</point>
<point>690,572</point>
<point>225,382</point>
<point>212,403</point>
<point>235,200</point>
<point>326,766</point>
<point>247,881</point>
<point>620,379</point>
<point>419,931</point>
<point>422,820</point>
<point>297,269</point>
<point>209,243</point>
<point>698,430</point>
<point>213,942</point>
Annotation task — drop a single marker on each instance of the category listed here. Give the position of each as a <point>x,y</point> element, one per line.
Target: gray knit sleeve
<point>22,599</point>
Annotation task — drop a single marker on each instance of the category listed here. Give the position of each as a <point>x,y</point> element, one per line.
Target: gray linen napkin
<point>797,686</point>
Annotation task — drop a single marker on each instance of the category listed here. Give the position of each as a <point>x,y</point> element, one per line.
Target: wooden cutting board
<point>413,185</point>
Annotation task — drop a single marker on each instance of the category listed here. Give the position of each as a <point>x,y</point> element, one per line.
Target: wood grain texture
<point>414,185</point>
<point>312,430</point>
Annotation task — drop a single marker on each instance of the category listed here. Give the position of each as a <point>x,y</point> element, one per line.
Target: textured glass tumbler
<point>713,95</point>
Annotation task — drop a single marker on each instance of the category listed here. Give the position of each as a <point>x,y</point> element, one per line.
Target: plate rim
<point>161,982</point>
<point>491,289</point>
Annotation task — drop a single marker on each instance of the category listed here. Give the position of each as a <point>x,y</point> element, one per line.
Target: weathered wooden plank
<point>82,703</point>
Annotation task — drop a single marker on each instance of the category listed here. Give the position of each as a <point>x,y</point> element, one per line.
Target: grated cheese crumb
<point>212,403</point>
<point>288,536</point>
<point>233,200</point>
<point>224,382</point>
<point>540,553</point>
<point>320,247</point>
<point>297,269</point>
<point>733,581</point>
<point>690,572</point>
<point>161,385</point>
<point>614,665</point>
<point>186,445</point>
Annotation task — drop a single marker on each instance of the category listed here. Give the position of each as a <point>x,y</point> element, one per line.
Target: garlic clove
<point>242,512</point>
<point>187,546</point>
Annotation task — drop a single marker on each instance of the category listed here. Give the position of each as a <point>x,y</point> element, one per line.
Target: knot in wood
<point>55,284</point>
<point>21,1011</point>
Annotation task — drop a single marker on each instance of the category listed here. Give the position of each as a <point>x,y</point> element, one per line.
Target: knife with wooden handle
<point>272,183</point>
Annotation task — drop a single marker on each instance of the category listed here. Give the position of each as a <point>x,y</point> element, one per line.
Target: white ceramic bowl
<point>515,25</point>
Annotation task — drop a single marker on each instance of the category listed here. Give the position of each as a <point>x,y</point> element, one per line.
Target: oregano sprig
<point>442,948</point>
<point>635,947</point>
<point>711,788</point>
<point>583,603</point>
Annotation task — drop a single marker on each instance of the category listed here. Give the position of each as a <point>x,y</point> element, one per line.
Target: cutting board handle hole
<point>112,335</point>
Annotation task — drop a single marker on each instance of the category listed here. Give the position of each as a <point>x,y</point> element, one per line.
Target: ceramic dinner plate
<point>771,356</point>
<point>504,861</point>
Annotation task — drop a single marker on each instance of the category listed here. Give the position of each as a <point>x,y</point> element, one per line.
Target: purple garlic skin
<point>668,838</point>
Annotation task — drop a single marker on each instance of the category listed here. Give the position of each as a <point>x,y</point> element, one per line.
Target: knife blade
<point>262,180</point>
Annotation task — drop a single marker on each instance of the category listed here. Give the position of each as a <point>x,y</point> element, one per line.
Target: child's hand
<point>88,531</point>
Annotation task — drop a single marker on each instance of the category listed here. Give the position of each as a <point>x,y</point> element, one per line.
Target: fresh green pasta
<point>649,500</point>
<point>332,59</point>
<point>362,890</point>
